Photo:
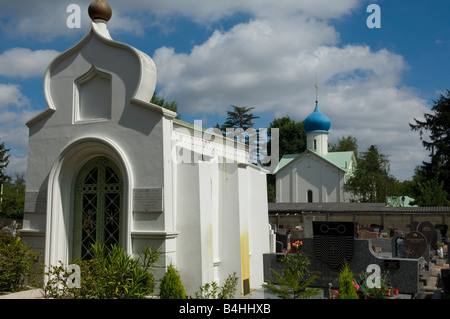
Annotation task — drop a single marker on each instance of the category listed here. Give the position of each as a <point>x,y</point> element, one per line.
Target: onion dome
<point>100,9</point>
<point>317,122</point>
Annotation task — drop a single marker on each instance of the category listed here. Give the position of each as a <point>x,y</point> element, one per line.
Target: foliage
<point>214,291</point>
<point>345,144</point>
<point>381,292</point>
<point>4,161</point>
<point>294,280</point>
<point>370,181</point>
<point>18,264</point>
<point>347,286</point>
<point>172,106</point>
<point>291,140</point>
<point>292,135</point>
<point>437,141</point>
<point>171,286</point>
<point>111,274</point>
<point>239,117</point>
<point>14,198</point>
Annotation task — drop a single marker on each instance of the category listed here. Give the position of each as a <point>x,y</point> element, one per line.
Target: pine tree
<point>437,125</point>
<point>171,286</point>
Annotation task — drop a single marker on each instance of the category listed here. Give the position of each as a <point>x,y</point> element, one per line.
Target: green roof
<point>341,160</point>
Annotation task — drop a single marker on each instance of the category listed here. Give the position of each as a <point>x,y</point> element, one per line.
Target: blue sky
<point>211,54</point>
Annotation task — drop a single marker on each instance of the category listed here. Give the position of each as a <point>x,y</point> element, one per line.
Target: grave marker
<point>415,244</point>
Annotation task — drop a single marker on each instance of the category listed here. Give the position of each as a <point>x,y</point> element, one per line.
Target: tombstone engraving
<point>415,244</point>
<point>333,242</point>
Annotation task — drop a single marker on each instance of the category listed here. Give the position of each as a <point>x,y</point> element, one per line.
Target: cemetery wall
<point>388,220</point>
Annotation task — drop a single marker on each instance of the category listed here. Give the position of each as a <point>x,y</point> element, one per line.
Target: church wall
<point>309,173</point>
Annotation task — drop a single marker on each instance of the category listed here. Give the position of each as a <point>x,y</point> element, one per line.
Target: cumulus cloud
<point>25,63</point>
<point>15,111</point>
<point>271,64</point>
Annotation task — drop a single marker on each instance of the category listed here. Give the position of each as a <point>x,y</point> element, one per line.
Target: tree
<point>370,181</point>
<point>437,125</point>
<point>14,198</point>
<point>239,127</point>
<point>347,286</point>
<point>292,140</point>
<point>172,106</point>
<point>292,136</point>
<point>239,117</point>
<point>171,286</point>
<point>294,280</point>
<point>345,144</point>
<point>4,161</point>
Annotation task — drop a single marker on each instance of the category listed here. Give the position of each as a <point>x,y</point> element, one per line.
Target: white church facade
<point>105,165</point>
<point>316,175</point>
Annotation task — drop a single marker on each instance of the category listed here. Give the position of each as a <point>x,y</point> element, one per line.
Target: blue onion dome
<point>317,122</point>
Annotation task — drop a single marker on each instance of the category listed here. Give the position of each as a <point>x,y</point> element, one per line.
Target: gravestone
<point>413,226</point>
<point>366,234</point>
<point>333,242</point>
<point>415,244</point>
<point>443,228</point>
<point>427,229</point>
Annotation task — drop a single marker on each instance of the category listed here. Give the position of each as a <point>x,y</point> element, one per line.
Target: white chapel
<point>105,165</point>
<point>316,175</point>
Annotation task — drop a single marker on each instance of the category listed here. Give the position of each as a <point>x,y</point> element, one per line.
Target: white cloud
<point>10,94</point>
<point>15,111</point>
<point>271,64</point>
<point>46,20</point>
<point>25,63</point>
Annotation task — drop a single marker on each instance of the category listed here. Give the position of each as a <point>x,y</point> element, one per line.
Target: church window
<point>310,196</point>
<point>315,144</point>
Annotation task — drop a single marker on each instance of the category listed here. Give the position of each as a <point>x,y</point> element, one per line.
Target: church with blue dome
<point>316,175</point>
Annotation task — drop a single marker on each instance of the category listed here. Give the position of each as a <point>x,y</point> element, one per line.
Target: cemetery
<point>412,262</point>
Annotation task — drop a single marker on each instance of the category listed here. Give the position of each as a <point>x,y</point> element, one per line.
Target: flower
<point>336,292</point>
<point>297,244</point>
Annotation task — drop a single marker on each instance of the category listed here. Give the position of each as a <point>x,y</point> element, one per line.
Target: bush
<point>171,286</point>
<point>211,290</point>
<point>347,286</point>
<point>18,263</point>
<point>111,274</point>
<point>294,280</point>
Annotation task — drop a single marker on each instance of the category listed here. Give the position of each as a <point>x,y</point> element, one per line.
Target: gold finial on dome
<point>100,9</point>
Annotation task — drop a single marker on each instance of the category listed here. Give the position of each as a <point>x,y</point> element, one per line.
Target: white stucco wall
<point>309,173</point>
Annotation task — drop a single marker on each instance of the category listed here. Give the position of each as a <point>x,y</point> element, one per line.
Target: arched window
<point>98,206</point>
<point>310,196</point>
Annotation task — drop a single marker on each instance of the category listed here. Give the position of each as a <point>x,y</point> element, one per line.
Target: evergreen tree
<point>239,117</point>
<point>171,286</point>
<point>437,125</point>
<point>172,106</point>
<point>4,161</point>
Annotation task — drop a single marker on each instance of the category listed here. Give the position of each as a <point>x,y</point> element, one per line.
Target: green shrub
<point>111,274</point>
<point>294,280</point>
<point>18,263</point>
<point>171,286</point>
<point>347,286</point>
<point>213,291</point>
